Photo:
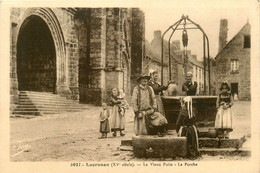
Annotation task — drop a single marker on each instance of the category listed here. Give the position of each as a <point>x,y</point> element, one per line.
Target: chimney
<point>223,34</point>
<point>157,34</point>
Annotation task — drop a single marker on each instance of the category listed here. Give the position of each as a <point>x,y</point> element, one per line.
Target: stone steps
<point>225,151</point>
<point>206,143</point>
<point>211,151</point>
<point>40,103</point>
<point>34,93</point>
<point>46,109</point>
<point>208,146</point>
<point>57,98</point>
<point>49,106</point>
<point>51,103</point>
<point>35,112</point>
<point>49,100</point>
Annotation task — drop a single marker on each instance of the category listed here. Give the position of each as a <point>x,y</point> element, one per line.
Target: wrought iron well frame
<point>174,27</point>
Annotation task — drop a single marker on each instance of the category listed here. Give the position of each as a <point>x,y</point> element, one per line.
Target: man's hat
<point>143,76</point>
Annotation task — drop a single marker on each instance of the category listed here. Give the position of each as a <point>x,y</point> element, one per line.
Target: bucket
<point>212,133</point>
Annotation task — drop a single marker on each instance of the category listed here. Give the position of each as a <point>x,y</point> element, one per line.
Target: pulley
<point>184,38</point>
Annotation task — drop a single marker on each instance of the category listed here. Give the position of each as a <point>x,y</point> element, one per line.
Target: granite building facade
<point>233,61</point>
<point>80,53</point>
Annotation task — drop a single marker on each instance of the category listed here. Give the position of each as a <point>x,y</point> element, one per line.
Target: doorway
<point>36,56</point>
<point>234,88</point>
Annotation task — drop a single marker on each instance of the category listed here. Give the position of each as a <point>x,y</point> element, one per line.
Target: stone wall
<point>82,21</point>
<point>62,29</point>
<point>138,45</point>
<point>96,49</point>
<point>235,50</point>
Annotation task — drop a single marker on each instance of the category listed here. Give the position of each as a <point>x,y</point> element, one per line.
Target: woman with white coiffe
<point>158,89</point>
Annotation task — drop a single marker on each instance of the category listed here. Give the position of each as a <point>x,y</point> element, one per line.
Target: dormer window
<point>247,41</point>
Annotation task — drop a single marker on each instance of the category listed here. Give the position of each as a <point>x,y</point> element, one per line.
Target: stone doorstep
<point>24,116</point>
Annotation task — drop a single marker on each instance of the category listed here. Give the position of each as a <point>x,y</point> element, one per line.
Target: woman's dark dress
<point>186,127</point>
<point>190,88</point>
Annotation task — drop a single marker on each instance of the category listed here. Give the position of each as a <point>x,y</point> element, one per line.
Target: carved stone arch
<point>47,15</point>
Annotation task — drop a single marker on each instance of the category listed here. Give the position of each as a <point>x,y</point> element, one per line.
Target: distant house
<point>152,60</point>
<point>233,61</point>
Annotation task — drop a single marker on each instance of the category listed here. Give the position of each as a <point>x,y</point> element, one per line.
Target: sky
<point>208,18</point>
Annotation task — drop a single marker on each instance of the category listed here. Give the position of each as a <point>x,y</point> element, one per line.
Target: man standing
<point>189,86</point>
<point>147,120</point>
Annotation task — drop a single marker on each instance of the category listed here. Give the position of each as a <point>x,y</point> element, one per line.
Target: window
<point>234,65</point>
<point>246,41</point>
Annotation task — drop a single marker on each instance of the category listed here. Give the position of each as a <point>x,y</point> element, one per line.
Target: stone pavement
<point>74,136</point>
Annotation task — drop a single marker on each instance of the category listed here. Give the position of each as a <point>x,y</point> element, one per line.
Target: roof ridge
<point>232,39</point>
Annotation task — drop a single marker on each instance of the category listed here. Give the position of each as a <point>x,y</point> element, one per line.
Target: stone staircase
<point>33,103</point>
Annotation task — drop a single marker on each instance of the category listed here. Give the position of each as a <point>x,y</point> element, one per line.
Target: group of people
<point>149,113</point>
<point>119,104</point>
<point>147,103</point>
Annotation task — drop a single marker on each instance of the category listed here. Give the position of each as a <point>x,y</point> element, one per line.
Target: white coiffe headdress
<point>188,100</point>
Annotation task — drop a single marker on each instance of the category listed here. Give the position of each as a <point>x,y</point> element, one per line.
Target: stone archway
<point>52,39</point>
<point>36,56</point>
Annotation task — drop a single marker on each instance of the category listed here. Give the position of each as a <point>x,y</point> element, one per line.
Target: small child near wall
<point>104,122</point>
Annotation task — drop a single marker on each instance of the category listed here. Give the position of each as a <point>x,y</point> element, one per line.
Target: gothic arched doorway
<point>36,56</point>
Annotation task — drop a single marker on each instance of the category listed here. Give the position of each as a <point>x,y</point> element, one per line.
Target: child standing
<point>185,126</point>
<point>224,118</point>
<point>104,123</point>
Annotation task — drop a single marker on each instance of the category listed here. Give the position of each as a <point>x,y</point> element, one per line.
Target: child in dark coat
<point>104,123</point>
<point>185,126</point>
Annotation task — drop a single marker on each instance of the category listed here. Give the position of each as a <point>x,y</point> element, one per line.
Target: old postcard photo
<point>158,85</point>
